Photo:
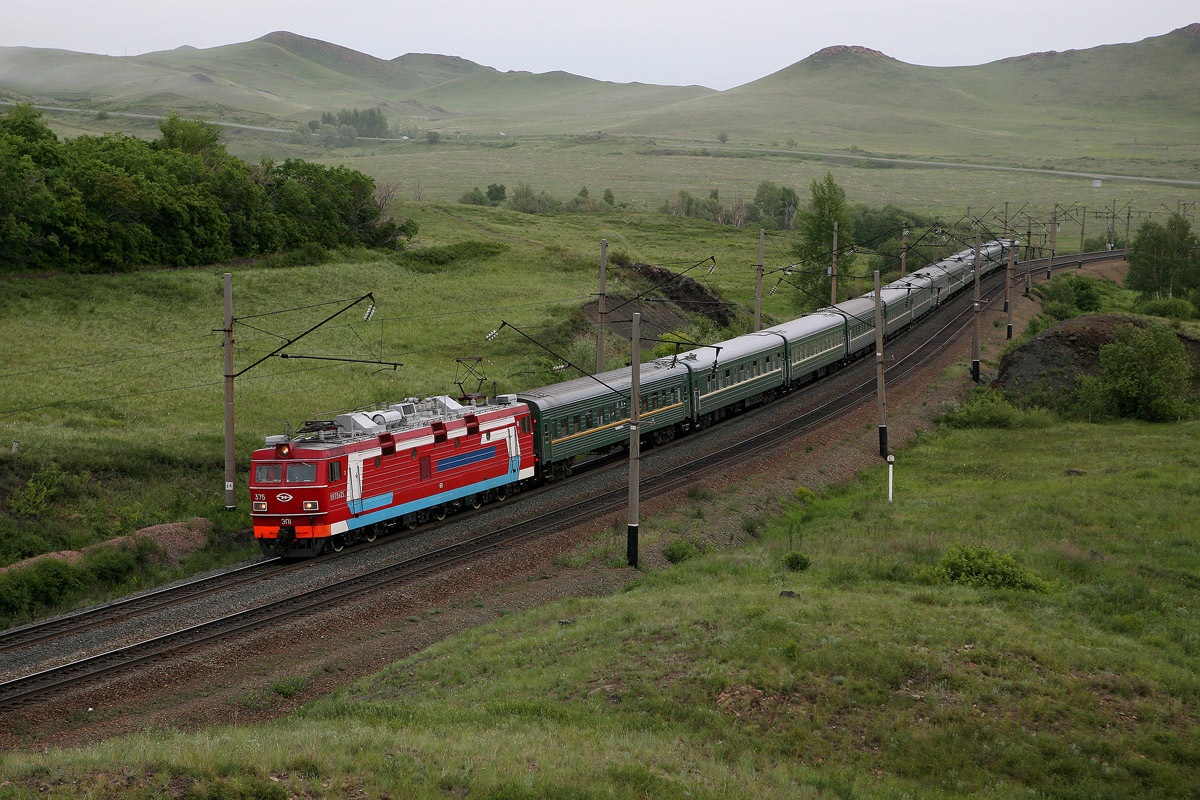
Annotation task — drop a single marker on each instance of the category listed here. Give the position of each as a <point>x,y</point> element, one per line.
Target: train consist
<point>340,481</point>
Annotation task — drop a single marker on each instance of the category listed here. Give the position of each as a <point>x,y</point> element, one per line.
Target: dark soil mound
<point>687,293</point>
<point>1044,370</point>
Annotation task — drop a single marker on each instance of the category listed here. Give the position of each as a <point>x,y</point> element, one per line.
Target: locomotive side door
<point>354,482</point>
<point>514,450</point>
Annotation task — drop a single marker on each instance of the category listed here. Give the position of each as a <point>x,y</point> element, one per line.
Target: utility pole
<point>230,466</point>
<point>1008,286</point>
<point>1053,240</point>
<point>1008,275</point>
<point>978,309</point>
<point>758,281</point>
<point>1028,255</point>
<point>635,401</point>
<point>880,393</point>
<point>904,250</point>
<point>833,270</point>
<point>1082,230</point>
<point>602,306</point>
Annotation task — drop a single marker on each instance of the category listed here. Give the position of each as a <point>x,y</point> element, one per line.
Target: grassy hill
<point>1121,107</point>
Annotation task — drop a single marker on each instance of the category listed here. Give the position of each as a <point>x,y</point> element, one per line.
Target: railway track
<point>21,692</point>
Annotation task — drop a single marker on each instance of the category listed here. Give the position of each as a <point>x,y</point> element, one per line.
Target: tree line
<point>113,203</point>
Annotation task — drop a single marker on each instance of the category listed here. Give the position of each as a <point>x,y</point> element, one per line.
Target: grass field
<point>876,680</point>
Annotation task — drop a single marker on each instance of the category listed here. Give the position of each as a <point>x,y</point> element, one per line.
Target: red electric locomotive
<point>340,481</point>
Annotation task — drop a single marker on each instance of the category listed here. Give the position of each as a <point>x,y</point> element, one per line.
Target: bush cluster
<point>988,408</point>
<point>984,568</point>
<point>796,561</point>
<point>53,583</point>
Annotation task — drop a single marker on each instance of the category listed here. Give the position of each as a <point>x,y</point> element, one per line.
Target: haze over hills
<point>1126,102</point>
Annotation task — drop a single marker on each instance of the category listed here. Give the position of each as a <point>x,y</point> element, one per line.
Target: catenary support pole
<point>230,464</point>
<point>762,234</point>
<point>833,269</point>
<point>1008,287</point>
<point>880,393</point>
<point>978,308</point>
<point>635,401</point>
<point>602,306</point>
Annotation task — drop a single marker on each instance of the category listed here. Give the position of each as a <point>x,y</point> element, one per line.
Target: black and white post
<point>978,309</point>
<point>880,394</point>
<point>635,389</point>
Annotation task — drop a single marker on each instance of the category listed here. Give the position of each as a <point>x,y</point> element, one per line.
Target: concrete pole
<point>1008,287</point>
<point>635,402</point>
<point>978,308</point>
<point>1053,241</point>
<point>833,271</point>
<point>602,306</point>
<point>880,393</point>
<point>1082,230</point>
<point>904,251</point>
<point>230,463</point>
<point>758,282</point>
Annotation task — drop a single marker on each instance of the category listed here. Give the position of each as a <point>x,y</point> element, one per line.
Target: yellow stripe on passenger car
<point>615,424</point>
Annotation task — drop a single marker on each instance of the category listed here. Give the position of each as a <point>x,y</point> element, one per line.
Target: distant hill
<point>1117,102</point>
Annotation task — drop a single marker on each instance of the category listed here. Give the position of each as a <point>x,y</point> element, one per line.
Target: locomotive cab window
<point>268,473</point>
<point>335,471</point>
<point>301,472</point>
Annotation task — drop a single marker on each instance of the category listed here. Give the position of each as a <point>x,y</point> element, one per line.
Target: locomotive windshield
<point>295,472</point>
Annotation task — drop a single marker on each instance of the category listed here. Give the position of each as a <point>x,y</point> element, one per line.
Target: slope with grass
<point>1059,660</point>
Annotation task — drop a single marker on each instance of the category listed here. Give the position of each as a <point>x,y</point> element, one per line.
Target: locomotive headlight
<point>260,505</point>
<point>283,450</point>
<point>311,505</point>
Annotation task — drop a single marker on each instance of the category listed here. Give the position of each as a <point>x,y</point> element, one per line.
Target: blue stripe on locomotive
<point>463,459</point>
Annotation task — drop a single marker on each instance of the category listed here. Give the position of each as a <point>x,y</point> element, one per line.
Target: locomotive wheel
<point>337,543</point>
<point>370,533</point>
<point>410,522</point>
<point>439,512</point>
<point>474,501</point>
<point>501,493</point>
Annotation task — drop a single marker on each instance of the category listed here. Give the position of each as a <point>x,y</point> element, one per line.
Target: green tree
<point>1144,374</point>
<point>1164,260</point>
<point>496,193</point>
<point>191,136</point>
<point>475,197</point>
<point>815,250</point>
<point>775,206</point>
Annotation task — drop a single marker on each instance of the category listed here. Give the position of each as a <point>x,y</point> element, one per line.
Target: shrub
<point>984,568</point>
<point>804,495</point>
<point>680,550</point>
<point>988,408</point>
<point>43,584</point>
<point>796,561</point>
<point>1173,308</point>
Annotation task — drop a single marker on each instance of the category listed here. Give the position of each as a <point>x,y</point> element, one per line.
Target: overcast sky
<point>715,44</point>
